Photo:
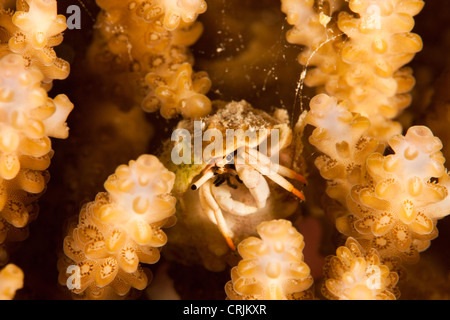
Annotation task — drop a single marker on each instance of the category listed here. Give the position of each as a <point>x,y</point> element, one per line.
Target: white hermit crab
<point>233,177</point>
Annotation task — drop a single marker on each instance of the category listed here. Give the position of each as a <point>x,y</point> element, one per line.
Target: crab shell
<point>236,116</point>
<point>195,239</point>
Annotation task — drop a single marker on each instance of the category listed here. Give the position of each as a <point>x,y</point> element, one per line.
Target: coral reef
<point>336,191</point>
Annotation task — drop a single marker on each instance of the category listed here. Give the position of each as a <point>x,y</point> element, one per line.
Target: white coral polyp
<point>40,22</point>
<point>356,274</point>
<point>417,154</point>
<point>141,192</point>
<point>272,268</point>
<point>182,10</point>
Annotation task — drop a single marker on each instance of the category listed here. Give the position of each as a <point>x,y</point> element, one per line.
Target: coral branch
<point>365,69</point>
<point>120,230</point>
<point>356,274</point>
<point>390,202</point>
<point>29,119</point>
<point>32,31</point>
<point>396,209</point>
<point>147,43</point>
<point>272,267</point>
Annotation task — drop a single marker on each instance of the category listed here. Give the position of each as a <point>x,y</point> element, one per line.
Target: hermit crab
<point>239,168</point>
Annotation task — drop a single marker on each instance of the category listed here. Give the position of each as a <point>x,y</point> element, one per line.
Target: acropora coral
<point>332,188</point>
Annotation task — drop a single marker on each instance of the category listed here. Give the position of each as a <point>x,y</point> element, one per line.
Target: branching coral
<point>272,267</point>
<point>389,202</point>
<point>365,69</point>
<point>119,230</point>
<point>146,44</point>
<point>342,138</point>
<point>356,274</point>
<point>397,209</point>
<point>11,280</point>
<point>29,119</point>
<point>32,31</point>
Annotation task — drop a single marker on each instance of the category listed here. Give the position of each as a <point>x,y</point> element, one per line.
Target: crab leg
<point>214,213</point>
<point>278,168</point>
<point>204,196</point>
<point>208,174</point>
<point>275,177</point>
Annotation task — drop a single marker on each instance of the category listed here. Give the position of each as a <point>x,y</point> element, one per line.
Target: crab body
<point>237,184</point>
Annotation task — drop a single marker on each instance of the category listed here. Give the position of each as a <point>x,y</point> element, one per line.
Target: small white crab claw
<point>222,194</point>
<point>255,182</point>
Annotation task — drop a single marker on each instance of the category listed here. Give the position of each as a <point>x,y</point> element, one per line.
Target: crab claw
<point>255,183</point>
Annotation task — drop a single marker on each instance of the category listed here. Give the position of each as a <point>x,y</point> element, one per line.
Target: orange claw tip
<point>299,194</point>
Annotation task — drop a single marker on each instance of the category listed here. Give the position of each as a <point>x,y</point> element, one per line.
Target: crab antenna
<point>205,177</point>
<point>282,170</point>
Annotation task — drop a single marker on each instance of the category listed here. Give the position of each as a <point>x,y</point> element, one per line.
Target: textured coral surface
<point>243,50</point>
